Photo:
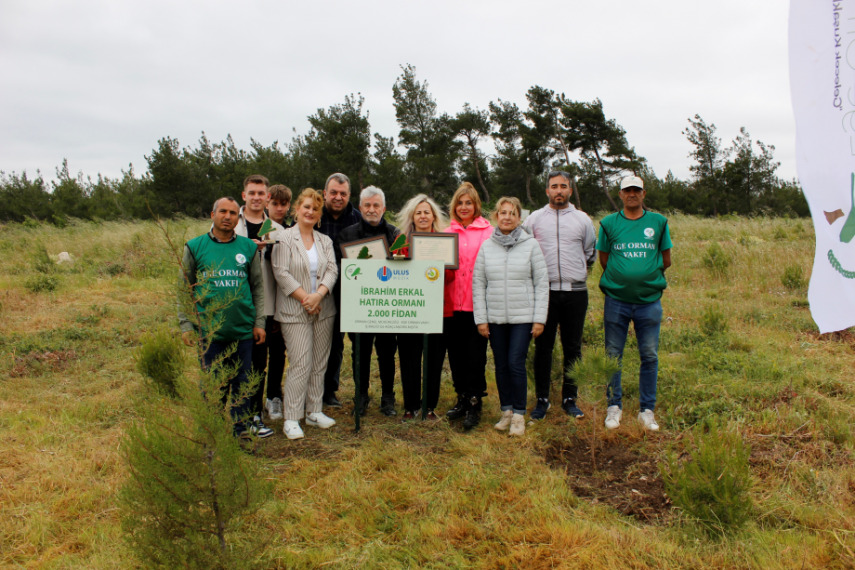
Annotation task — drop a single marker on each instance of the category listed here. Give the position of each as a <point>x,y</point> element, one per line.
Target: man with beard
<point>566,237</point>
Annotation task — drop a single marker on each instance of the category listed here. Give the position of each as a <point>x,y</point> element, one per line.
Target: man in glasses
<point>635,251</point>
<point>566,237</point>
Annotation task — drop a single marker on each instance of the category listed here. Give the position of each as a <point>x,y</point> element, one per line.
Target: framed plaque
<point>435,246</point>
<point>378,248</point>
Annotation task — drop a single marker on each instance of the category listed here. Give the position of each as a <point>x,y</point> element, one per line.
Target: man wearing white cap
<point>635,250</point>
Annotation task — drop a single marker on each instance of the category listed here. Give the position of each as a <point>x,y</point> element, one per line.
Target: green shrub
<point>191,489</point>
<point>716,259</point>
<point>112,268</point>
<point>42,262</point>
<point>793,278</point>
<point>42,283</point>
<point>595,368</point>
<point>714,321</point>
<point>161,360</point>
<point>713,485</point>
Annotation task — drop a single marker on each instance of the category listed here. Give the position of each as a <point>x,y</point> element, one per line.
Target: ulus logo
<point>386,273</point>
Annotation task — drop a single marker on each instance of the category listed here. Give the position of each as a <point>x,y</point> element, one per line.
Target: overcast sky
<point>99,82</point>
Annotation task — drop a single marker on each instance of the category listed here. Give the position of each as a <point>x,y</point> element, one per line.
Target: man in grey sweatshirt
<point>566,237</point>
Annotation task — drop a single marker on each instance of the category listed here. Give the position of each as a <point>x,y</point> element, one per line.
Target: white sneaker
<point>517,425</point>
<point>505,421</point>
<point>292,429</point>
<point>274,408</point>
<point>648,421</point>
<point>613,416</point>
<point>319,419</point>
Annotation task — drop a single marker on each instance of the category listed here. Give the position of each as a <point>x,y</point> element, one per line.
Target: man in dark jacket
<point>372,205</point>
<point>338,214</point>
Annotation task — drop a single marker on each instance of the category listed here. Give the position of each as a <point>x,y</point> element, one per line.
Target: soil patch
<point>37,362</point>
<point>279,447</point>
<point>625,478</point>
<point>846,336</point>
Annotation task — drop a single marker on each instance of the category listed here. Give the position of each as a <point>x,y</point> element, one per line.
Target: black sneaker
<point>331,401</point>
<point>571,409</point>
<point>258,429</point>
<point>539,411</point>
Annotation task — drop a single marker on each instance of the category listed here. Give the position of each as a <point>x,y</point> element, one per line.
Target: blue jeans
<point>240,357</point>
<point>646,320</point>
<point>510,347</point>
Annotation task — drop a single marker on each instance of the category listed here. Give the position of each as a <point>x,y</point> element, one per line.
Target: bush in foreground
<point>713,485</point>
<point>190,485</point>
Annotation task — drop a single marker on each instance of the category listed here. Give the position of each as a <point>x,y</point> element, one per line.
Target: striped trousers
<point>308,351</point>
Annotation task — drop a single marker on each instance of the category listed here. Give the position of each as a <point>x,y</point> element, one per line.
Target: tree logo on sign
<point>847,232</point>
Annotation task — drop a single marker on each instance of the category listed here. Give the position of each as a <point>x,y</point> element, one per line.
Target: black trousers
<point>276,364</point>
<point>410,348</point>
<point>386,345</point>
<point>331,376</point>
<point>566,311</point>
<point>275,346</point>
<point>467,354</point>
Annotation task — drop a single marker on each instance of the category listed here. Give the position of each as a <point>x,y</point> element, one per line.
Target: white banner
<point>822,82</point>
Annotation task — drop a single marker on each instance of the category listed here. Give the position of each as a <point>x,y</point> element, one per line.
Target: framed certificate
<point>435,246</point>
<point>378,248</point>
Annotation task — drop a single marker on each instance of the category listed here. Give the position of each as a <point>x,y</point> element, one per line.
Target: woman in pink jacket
<point>467,350</point>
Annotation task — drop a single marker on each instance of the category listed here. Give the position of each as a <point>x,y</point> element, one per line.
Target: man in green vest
<point>635,251</point>
<point>224,276</point>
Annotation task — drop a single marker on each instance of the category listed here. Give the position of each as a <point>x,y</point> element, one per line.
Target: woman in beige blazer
<point>305,270</point>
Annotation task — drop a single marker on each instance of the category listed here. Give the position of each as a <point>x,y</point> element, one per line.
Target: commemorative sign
<point>386,296</point>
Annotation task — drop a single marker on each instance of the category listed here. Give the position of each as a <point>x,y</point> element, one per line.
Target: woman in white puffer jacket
<point>510,297</point>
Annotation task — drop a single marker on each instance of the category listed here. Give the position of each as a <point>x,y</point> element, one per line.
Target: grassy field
<point>737,344</point>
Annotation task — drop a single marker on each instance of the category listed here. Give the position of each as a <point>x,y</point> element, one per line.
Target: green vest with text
<point>222,293</point>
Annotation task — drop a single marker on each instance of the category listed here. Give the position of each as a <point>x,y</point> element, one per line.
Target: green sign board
<point>383,296</point>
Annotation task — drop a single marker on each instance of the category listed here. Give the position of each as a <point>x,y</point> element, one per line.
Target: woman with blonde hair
<point>510,289</point>
<point>305,270</point>
<point>467,350</point>
<point>420,214</point>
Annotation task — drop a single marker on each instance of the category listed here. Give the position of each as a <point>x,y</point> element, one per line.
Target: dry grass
<point>428,495</point>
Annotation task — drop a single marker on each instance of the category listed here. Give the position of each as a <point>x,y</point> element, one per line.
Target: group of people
<point>263,294</point>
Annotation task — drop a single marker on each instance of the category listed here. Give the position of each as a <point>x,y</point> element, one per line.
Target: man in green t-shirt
<point>225,278</point>
<point>635,250</point>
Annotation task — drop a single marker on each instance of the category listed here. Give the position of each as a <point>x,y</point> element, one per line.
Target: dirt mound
<point>624,478</point>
